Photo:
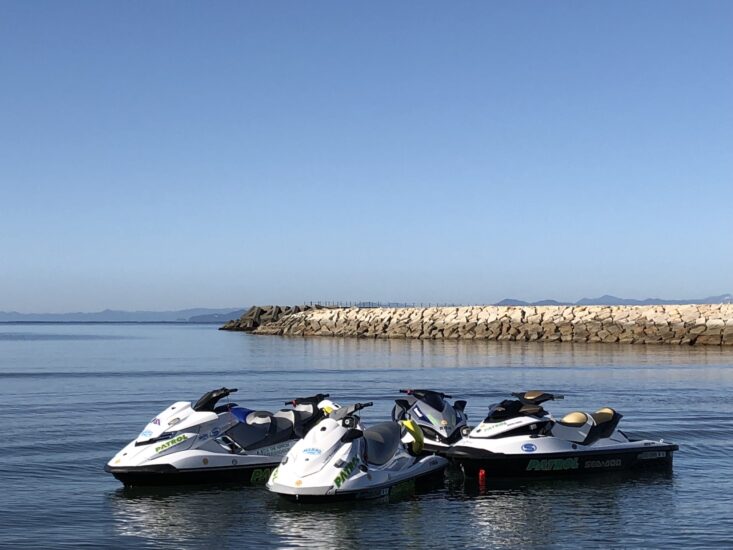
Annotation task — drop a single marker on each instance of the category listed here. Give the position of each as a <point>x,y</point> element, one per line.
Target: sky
<point>173,154</point>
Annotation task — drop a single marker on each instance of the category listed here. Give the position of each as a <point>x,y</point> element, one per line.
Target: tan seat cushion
<point>603,415</point>
<point>574,419</point>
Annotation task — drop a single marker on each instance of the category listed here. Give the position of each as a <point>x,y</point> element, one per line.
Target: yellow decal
<point>416,432</point>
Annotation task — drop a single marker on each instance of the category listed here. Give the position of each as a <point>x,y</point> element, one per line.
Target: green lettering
<point>346,472</point>
<point>171,443</point>
<point>552,464</point>
<point>260,475</point>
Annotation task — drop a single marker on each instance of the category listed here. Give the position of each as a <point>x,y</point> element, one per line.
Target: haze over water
<point>73,395</point>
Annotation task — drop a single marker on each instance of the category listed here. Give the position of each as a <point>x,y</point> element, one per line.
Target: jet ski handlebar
<point>312,399</point>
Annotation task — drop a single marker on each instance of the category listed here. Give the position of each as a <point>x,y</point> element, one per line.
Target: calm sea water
<point>72,395</point>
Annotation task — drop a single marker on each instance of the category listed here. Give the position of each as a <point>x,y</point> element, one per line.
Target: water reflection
<point>500,513</point>
<point>362,523</point>
<point>459,353</point>
<point>175,515</point>
<point>530,513</point>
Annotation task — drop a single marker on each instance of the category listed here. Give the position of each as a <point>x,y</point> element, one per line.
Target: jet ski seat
<point>603,415</point>
<point>253,430</point>
<point>281,429</point>
<point>261,429</point>
<point>606,420</point>
<point>258,417</point>
<point>382,441</point>
<point>574,419</point>
<point>299,419</point>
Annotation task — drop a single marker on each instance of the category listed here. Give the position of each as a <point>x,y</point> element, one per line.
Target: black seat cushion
<point>382,441</point>
<point>280,430</point>
<point>247,435</point>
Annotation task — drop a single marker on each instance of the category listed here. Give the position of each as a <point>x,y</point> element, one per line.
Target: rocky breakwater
<point>679,324</point>
<point>258,315</point>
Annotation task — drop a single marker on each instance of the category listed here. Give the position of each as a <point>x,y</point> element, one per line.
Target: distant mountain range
<point>222,315</point>
<point>194,315</point>
<point>607,300</point>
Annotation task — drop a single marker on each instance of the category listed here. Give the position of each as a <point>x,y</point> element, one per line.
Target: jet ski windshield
<point>432,398</point>
<point>208,401</point>
<point>343,412</point>
<point>312,400</point>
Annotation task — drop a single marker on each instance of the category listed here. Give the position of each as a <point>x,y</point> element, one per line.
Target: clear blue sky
<point>159,155</point>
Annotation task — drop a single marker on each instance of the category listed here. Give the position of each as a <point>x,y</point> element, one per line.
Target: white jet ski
<point>519,438</point>
<point>340,459</point>
<point>209,443</point>
<point>442,423</point>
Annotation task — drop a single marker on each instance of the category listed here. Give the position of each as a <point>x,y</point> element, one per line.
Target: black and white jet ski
<point>340,459</point>
<point>442,423</point>
<point>519,438</point>
<point>206,442</point>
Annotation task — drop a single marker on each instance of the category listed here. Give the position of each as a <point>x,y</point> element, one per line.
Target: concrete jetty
<point>692,324</point>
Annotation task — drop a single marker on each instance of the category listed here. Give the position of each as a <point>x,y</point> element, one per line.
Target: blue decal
<point>203,437</point>
<point>529,448</point>
<point>146,433</point>
<point>240,413</point>
<point>311,451</point>
<point>215,432</point>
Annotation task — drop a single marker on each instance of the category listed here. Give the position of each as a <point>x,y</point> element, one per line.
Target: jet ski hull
<point>431,472</point>
<point>435,447</point>
<point>472,461</point>
<point>166,475</point>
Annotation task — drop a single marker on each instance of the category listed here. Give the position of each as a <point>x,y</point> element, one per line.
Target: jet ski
<point>206,442</point>
<point>340,459</point>
<point>442,423</point>
<point>519,438</point>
